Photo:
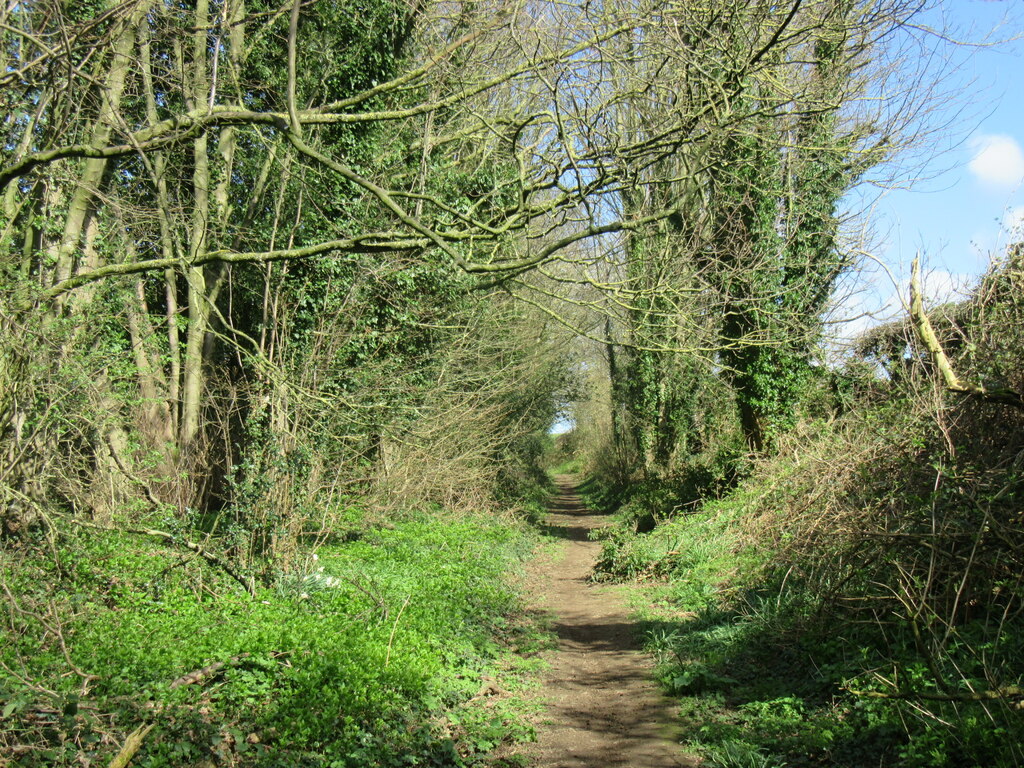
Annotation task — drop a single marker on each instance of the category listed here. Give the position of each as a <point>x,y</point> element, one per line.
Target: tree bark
<point>90,179</point>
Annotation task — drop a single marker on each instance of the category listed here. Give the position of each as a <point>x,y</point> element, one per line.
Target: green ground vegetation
<point>404,645</point>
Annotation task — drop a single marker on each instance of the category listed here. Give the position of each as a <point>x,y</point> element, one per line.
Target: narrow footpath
<point>604,709</point>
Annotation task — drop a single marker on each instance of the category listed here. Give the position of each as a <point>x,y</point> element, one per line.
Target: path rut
<point>604,709</point>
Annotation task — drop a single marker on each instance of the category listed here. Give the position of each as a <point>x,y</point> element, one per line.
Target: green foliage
<point>739,754</point>
<point>756,657</point>
<point>777,284</point>
<point>370,655</point>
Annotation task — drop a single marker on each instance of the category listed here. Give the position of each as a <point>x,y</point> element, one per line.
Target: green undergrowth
<point>788,622</point>
<point>562,455</point>
<point>568,466</point>
<point>763,678</point>
<point>402,648</point>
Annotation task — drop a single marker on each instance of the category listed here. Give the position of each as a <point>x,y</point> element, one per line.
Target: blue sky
<point>970,196</point>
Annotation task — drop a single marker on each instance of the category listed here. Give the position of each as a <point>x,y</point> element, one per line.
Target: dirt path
<point>603,707</point>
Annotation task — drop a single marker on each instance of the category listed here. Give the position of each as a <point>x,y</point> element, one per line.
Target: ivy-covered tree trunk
<point>747,252</point>
<point>777,238</point>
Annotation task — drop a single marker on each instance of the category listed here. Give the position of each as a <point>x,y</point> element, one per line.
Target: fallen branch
<point>131,745</point>
<point>212,670</point>
<point>206,672</point>
<point>1009,692</point>
<point>926,333</point>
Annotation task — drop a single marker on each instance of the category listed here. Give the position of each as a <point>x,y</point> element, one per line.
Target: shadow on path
<point>603,707</point>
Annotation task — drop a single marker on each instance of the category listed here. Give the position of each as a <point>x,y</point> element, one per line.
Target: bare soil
<point>603,707</point>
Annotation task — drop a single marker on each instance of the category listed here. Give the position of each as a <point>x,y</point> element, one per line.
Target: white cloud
<point>997,160</point>
<point>940,286</point>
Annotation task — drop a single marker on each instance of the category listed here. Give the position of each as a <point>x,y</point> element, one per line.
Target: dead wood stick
<point>131,746</point>
<point>206,672</point>
<point>1009,692</point>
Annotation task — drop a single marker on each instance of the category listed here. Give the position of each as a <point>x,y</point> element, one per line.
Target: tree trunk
<point>195,276</point>
<point>63,253</point>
